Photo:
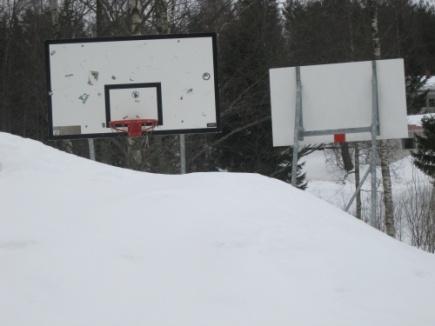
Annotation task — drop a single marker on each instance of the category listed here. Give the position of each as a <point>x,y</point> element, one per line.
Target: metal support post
<point>298,126</point>
<point>91,149</point>
<point>374,133</point>
<point>336,131</point>
<point>295,162</point>
<point>182,154</point>
<point>361,183</point>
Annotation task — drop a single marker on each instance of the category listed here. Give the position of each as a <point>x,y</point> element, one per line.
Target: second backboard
<point>337,96</point>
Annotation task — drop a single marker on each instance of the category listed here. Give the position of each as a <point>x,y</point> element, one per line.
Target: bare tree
<point>415,208</point>
<point>385,167</point>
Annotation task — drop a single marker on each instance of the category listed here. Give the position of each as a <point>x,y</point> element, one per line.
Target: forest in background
<point>253,36</point>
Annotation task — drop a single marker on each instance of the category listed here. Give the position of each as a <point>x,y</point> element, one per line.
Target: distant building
<point>430,97</point>
<point>415,128</point>
<point>414,125</point>
<point>414,121</point>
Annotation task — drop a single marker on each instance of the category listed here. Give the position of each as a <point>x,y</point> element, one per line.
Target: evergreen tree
<point>254,43</point>
<point>326,31</point>
<point>424,157</point>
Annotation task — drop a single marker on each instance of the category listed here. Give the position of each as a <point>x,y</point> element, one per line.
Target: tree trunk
<point>345,155</point>
<point>376,41</point>
<point>388,193</point>
<point>357,182</point>
<point>99,18</point>
<point>161,19</point>
<point>53,10</point>
<point>136,19</point>
<point>385,167</point>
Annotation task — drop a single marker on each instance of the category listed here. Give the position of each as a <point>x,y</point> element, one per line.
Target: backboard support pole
<point>374,130</point>
<point>361,183</point>
<point>91,146</point>
<point>298,126</point>
<point>182,139</point>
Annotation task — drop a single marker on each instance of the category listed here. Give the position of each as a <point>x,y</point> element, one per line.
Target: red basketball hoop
<point>135,127</point>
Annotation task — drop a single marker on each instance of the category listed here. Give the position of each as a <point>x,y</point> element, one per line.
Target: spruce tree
<point>424,157</point>
<point>255,43</point>
<point>250,42</point>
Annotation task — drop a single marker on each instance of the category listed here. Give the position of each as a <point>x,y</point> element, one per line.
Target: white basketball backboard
<point>171,78</point>
<point>339,96</point>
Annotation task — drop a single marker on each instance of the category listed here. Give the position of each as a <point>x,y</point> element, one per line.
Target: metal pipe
<point>91,146</point>
<point>182,154</point>
<point>337,131</point>
<point>296,135</point>
<point>361,183</point>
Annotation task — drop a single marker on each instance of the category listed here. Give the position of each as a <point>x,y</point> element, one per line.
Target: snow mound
<point>82,243</point>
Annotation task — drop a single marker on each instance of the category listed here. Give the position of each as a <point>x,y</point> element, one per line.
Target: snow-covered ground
<point>415,120</point>
<point>83,243</point>
<point>329,182</point>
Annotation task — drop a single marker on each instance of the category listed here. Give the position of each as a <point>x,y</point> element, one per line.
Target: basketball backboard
<point>170,78</point>
<point>339,96</point>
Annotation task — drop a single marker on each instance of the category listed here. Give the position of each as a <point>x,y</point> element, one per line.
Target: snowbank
<point>83,243</point>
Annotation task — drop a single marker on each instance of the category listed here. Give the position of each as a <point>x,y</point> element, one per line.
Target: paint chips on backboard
<point>81,71</point>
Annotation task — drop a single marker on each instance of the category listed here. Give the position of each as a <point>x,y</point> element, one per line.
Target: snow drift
<point>82,243</point>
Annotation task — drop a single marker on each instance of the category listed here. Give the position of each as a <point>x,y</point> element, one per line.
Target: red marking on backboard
<point>339,138</point>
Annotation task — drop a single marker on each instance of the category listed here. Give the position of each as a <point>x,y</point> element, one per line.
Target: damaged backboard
<point>169,78</point>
